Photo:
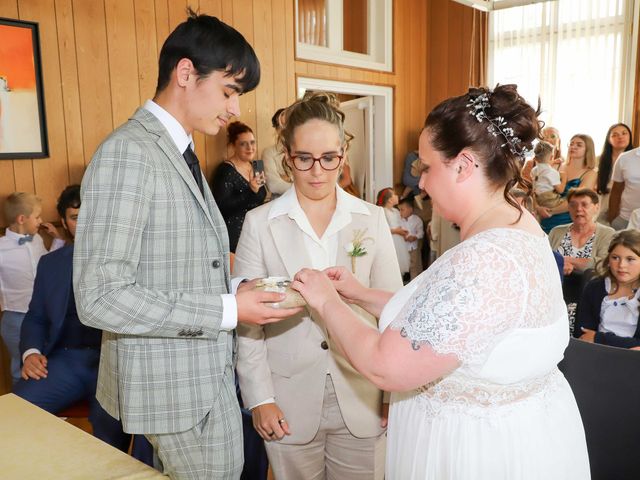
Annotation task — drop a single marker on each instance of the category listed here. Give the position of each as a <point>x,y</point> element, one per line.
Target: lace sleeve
<point>475,292</point>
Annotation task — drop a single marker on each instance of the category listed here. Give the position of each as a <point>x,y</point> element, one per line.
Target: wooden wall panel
<point>100,63</point>
<point>70,88</point>
<point>121,34</point>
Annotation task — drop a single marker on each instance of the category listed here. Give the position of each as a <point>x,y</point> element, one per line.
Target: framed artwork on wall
<point>23,126</point>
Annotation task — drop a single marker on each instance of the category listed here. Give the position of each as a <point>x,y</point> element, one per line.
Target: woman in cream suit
<point>319,417</point>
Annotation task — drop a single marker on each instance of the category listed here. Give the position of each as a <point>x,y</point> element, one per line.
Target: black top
<point>588,316</point>
<point>235,198</point>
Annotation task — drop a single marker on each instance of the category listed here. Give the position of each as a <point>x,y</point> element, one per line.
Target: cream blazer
<point>286,360</point>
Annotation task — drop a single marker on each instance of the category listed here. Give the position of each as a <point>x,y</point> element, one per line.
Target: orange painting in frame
<point>23,132</point>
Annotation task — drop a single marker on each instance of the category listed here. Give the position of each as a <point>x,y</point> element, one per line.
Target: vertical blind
<point>572,54</point>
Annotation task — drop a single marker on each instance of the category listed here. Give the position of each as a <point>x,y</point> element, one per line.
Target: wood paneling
<point>100,63</point>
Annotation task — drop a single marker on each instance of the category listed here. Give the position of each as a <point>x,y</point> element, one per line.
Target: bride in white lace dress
<point>471,346</point>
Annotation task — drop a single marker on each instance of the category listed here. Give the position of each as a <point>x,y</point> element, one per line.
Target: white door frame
<point>382,152</point>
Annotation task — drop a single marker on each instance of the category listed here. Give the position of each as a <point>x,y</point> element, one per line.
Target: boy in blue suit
<point>61,355</point>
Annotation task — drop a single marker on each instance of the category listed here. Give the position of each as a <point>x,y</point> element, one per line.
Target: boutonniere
<point>356,247</point>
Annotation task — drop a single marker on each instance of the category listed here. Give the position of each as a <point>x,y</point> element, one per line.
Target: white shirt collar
<point>16,236</point>
<point>288,203</point>
<point>168,121</point>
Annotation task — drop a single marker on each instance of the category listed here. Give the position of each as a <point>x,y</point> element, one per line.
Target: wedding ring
<point>281,421</point>
<point>271,434</point>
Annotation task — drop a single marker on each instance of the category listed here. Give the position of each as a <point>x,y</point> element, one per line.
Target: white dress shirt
<point>415,227</point>
<point>619,315</point>
<point>323,251</point>
<point>183,140</point>
<point>18,264</point>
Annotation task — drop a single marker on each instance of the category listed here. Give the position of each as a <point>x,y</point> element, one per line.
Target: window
<point>347,32</point>
<point>576,55</point>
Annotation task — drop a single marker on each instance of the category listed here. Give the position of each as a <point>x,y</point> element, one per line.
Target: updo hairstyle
<point>452,127</point>
<point>235,129</point>
<point>313,106</point>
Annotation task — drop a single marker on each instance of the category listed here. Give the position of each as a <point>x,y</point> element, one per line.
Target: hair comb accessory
<point>497,125</point>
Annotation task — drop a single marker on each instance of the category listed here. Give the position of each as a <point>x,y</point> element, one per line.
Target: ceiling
<point>489,5</point>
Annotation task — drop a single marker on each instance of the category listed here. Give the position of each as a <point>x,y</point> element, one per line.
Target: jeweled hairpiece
<point>497,125</point>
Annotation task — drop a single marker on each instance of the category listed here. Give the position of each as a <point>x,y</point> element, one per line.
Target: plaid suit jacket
<point>151,260</point>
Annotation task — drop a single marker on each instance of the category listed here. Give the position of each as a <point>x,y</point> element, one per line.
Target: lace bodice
<point>494,301</point>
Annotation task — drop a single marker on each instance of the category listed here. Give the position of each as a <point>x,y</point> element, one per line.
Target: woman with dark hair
<point>471,345</point>
<point>618,140</point>
<point>236,187</point>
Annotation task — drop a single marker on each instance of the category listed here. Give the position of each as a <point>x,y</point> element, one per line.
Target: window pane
<point>312,22</point>
<point>571,55</point>
<point>355,21</point>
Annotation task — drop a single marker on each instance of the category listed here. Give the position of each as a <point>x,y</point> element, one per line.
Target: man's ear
<point>20,219</point>
<point>184,70</point>
<point>64,224</point>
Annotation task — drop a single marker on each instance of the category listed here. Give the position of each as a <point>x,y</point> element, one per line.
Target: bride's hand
<point>345,283</point>
<point>316,288</point>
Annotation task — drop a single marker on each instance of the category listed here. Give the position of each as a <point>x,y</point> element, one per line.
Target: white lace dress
<point>495,301</point>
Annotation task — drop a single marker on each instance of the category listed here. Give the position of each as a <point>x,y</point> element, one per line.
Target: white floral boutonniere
<point>356,248</point>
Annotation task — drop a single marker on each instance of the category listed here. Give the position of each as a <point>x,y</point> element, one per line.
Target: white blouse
<point>619,315</point>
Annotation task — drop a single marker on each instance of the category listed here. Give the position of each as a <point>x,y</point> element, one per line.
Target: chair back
<point>606,383</point>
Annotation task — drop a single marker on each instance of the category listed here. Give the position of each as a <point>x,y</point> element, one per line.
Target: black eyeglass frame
<point>315,159</point>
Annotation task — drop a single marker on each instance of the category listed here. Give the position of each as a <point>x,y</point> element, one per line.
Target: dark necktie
<point>25,239</point>
<point>194,166</point>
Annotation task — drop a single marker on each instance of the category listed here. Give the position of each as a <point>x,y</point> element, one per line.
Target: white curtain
<point>573,54</point>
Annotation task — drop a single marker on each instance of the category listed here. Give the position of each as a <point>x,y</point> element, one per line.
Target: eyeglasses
<point>305,162</point>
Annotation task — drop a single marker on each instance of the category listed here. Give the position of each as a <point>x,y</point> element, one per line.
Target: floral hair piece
<point>497,125</point>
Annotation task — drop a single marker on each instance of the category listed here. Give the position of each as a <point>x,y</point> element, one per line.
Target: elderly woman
<point>582,243</point>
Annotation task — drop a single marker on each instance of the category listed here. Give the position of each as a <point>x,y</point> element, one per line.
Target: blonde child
<point>548,183</point>
<point>20,250</point>
<point>609,308</point>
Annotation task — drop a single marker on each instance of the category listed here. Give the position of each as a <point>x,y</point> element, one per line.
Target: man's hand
<point>254,305</point>
<point>35,366</point>
<point>51,230</point>
<point>269,422</point>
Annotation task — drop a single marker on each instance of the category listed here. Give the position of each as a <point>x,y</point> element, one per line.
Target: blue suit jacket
<point>48,308</point>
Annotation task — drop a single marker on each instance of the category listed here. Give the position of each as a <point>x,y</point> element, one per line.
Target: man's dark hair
<point>211,45</point>
<point>275,120</point>
<point>408,200</point>
<point>69,198</point>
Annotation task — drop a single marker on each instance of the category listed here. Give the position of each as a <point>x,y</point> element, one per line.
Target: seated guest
<point>552,136</point>
<point>61,355</point>
<point>579,170</point>
<point>236,187</point>
<point>582,243</point>
<point>20,249</point>
<point>548,183</point>
<point>609,308</point>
